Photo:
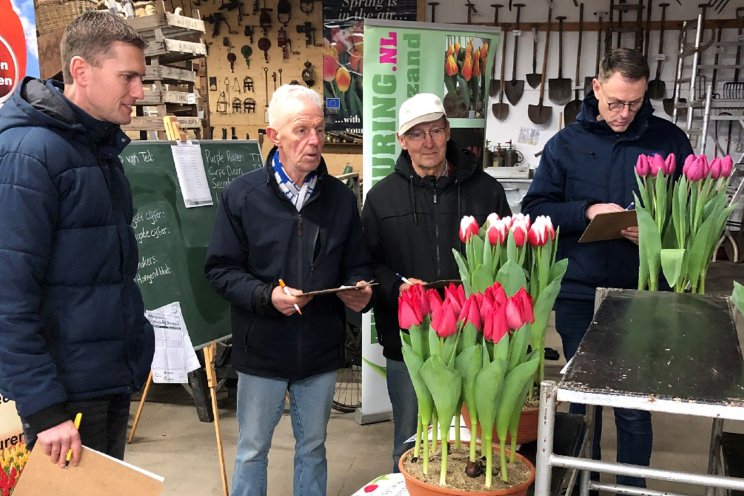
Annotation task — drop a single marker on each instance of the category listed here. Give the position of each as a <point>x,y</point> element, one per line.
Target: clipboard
<point>96,474</point>
<point>442,283</point>
<point>608,226</point>
<point>338,289</point>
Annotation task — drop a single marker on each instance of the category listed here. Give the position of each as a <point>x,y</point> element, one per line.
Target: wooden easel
<point>209,354</point>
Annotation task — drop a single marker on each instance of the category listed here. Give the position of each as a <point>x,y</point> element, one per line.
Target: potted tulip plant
<point>471,349</point>
<point>680,222</point>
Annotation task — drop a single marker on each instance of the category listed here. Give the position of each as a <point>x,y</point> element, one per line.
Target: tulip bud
<point>688,163</point>
<point>727,166</point>
<point>409,311</point>
<point>492,219</point>
<point>468,227</point>
<point>444,321</point>
<point>670,164</point>
<point>642,167</point>
<point>657,164</point>
<point>715,168</point>
<point>495,325</point>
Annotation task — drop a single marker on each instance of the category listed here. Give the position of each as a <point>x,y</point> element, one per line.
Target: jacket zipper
<point>299,249</point>
<point>437,255</point>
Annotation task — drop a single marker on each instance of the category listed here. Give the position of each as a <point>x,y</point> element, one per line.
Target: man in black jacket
<point>587,169</point>
<point>289,221</point>
<point>73,335</point>
<point>411,221</point>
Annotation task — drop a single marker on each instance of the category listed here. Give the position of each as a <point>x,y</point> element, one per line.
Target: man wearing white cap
<point>411,220</point>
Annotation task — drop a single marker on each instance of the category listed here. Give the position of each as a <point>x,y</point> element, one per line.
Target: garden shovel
<point>515,88</point>
<point>656,88</point>
<point>540,114</point>
<point>571,110</point>
<point>501,110</point>
<point>559,89</point>
<point>588,88</point>
<point>494,88</point>
<point>534,79</point>
<point>669,102</point>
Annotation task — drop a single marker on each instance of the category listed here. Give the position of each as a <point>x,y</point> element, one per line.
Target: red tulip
<point>541,231</point>
<point>468,227</point>
<point>409,310</point>
<point>670,164</point>
<point>495,324</point>
<point>470,313</point>
<point>519,310</point>
<point>444,321</point>
<point>519,232</point>
<point>642,167</point>
<point>727,166</point>
<point>434,300</point>
<point>496,233</point>
<point>656,163</point>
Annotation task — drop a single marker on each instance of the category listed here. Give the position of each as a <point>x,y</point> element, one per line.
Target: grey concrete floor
<point>171,441</point>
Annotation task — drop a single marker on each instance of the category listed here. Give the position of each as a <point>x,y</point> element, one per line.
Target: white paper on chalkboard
<point>192,177</point>
<point>174,354</point>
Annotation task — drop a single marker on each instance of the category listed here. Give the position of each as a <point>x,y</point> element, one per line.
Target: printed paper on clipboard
<point>338,289</point>
<point>608,226</point>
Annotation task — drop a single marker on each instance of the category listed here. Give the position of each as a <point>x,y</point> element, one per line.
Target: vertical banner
<point>402,59</point>
<point>18,52</point>
<point>13,454</point>
<point>343,57</point>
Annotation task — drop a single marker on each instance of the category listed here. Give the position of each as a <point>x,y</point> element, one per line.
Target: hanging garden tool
<point>433,11</point>
<point>306,6</point>
<point>500,110</point>
<point>471,10</point>
<point>248,32</point>
<point>588,89</point>
<point>247,84</point>
<point>540,114</point>
<point>308,74</point>
<point>515,88</point>
<point>284,12</point>
<point>495,87</point>
<point>264,20</point>
<point>273,77</point>
<point>559,89</point>
<point>571,110</point>
<point>283,42</point>
<point>246,51</point>
<point>266,85</point>
<point>231,57</point>
<point>656,88</point>
<point>620,11</point>
<point>256,7</point>
<point>280,76</point>
<point>647,35</point>
<point>533,78</point>
<point>215,19</point>
<point>307,29</point>
<point>264,44</point>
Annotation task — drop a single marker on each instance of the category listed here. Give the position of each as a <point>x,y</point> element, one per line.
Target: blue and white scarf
<point>294,193</point>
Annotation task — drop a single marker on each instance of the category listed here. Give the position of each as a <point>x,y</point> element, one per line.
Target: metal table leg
<point>546,416</point>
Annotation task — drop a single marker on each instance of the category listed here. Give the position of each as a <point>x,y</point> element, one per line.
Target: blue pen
<point>631,206</point>
<point>403,279</point>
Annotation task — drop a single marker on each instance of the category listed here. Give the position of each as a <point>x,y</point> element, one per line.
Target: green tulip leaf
<point>445,385</point>
<point>518,344</point>
<point>737,296</point>
<point>468,363</point>
<point>488,384</point>
<point>672,263</point>
<point>514,383</point>
<point>511,276</point>
<point>414,363</point>
<point>650,244</point>
<point>462,267</point>
<point>482,279</point>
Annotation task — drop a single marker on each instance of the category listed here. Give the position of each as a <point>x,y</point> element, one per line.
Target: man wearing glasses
<point>411,220</point>
<point>587,169</point>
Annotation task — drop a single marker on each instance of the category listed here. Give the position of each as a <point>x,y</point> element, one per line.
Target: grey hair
<point>91,35</point>
<point>285,98</point>
<point>630,63</point>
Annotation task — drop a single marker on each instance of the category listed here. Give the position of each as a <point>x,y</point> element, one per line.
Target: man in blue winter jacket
<point>587,169</point>
<point>73,336</point>
<point>290,222</point>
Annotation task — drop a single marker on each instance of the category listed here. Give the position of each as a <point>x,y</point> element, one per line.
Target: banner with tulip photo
<point>13,453</point>
<point>402,59</point>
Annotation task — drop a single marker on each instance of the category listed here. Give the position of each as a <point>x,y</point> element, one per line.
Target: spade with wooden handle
<point>534,78</point>
<point>571,110</point>
<point>495,87</point>
<point>540,114</point>
<point>515,88</point>
<point>588,88</point>
<point>501,110</point>
<point>559,89</point>
<point>657,88</point>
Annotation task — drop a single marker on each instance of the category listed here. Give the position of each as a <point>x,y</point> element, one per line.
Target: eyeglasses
<point>618,106</point>
<point>436,133</point>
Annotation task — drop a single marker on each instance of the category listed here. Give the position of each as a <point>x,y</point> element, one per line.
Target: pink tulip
<point>456,295</point>
<point>519,310</point>
<point>657,164</point>
<point>409,310</point>
<point>470,313</point>
<point>715,168</point>
<point>495,324</point>
<point>695,169</point>
<point>688,163</point>
<point>727,166</point>
<point>642,167</point>
<point>670,164</point>
<point>444,321</point>
<point>468,227</point>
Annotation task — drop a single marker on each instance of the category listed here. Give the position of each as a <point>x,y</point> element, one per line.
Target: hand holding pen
<point>286,301</point>
<point>407,282</point>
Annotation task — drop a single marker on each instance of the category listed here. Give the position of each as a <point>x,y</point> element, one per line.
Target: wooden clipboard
<point>95,475</point>
<point>608,226</point>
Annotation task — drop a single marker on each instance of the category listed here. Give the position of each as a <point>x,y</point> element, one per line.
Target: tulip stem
<point>443,468</point>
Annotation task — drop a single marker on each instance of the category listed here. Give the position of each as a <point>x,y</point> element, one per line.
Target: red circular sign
<point>9,70</point>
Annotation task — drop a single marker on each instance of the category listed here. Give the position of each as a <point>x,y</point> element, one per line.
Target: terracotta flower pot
<point>417,487</point>
<point>526,432</point>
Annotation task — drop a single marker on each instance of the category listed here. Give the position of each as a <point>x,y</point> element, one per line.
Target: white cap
<point>424,107</point>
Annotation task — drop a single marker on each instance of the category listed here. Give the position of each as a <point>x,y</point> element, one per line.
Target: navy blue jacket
<point>411,225</point>
<point>588,163</point>
<point>72,323</point>
<point>258,238</point>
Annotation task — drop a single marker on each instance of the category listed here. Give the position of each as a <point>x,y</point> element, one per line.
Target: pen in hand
<point>78,418</point>
<point>403,279</point>
<point>286,292</point>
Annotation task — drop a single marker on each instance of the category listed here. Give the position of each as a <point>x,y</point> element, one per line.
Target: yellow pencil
<point>78,418</point>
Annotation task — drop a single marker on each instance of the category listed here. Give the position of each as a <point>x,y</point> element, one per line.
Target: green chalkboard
<point>172,238</point>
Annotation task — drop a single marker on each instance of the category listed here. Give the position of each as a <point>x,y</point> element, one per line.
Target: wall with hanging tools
<point>630,22</point>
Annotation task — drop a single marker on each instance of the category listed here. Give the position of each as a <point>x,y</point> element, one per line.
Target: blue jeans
<point>260,406</point>
<point>634,430</point>
<point>103,426</point>
<point>405,407</point>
